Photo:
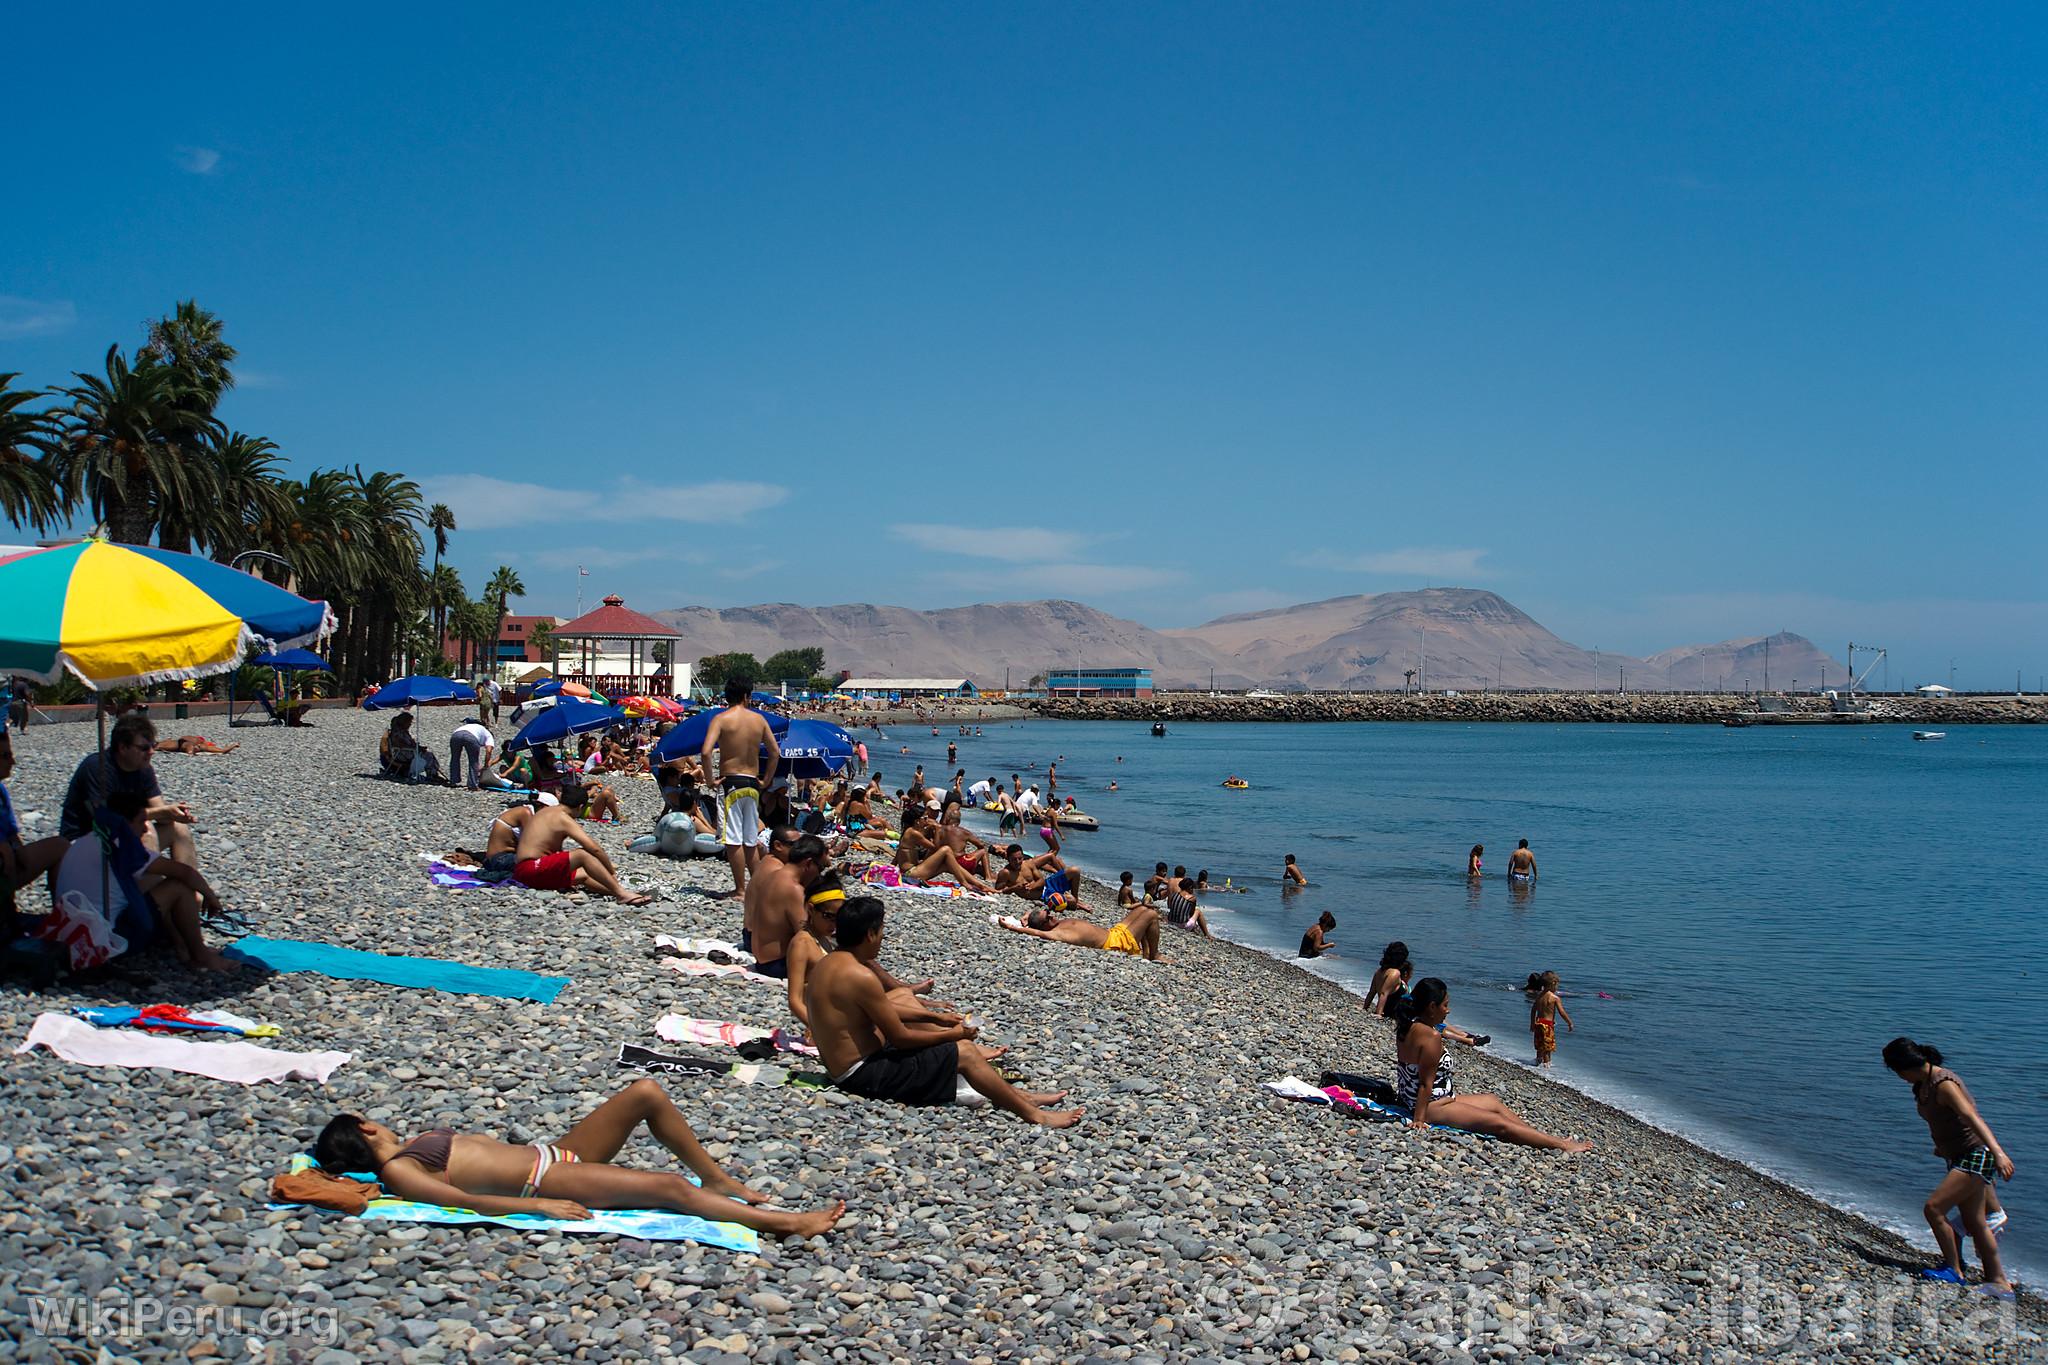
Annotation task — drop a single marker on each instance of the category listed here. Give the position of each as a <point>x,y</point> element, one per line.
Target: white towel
<point>697,966</point>
<point>244,1063</point>
<point>703,947</point>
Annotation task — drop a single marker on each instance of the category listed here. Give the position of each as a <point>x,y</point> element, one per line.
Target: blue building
<point>1099,682</point>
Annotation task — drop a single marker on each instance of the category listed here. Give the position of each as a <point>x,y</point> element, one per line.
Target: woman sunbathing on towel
<point>193,744</point>
<point>564,1179</point>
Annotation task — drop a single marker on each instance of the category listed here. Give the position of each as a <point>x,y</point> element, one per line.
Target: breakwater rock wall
<point>1649,708</point>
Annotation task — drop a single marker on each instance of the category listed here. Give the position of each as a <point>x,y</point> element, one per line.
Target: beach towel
<point>1364,1106</point>
<point>461,878</point>
<point>680,1028</point>
<point>649,1225</point>
<point>243,1063</point>
<point>697,966</point>
<point>173,1019</point>
<point>426,973</point>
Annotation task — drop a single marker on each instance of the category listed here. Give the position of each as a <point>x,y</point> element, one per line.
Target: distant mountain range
<point>1458,638</point>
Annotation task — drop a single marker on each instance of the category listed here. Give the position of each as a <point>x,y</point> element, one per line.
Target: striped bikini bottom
<point>544,1158</point>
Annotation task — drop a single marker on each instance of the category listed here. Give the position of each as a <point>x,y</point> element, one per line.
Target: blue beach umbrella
<point>293,661</point>
<point>418,691</point>
<point>814,748</point>
<point>558,722</point>
<point>688,738</point>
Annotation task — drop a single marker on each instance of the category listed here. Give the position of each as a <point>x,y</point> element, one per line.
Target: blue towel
<point>427,973</point>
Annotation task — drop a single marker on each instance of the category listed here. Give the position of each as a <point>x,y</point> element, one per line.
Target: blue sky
<point>1668,325</point>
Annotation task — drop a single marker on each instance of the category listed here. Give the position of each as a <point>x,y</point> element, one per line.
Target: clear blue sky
<point>1667,325</point>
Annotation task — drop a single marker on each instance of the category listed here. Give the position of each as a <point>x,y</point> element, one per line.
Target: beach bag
<point>417,769</point>
<point>83,931</point>
<point>882,874</point>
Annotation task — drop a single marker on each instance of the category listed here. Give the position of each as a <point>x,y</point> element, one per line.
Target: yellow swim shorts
<point>1120,941</point>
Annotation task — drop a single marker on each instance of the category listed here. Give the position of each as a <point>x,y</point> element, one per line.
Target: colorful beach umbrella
<point>555,687</point>
<point>130,615</point>
<point>814,748</point>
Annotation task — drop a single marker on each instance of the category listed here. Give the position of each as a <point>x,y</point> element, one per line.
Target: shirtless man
<point>921,856</point>
<point>823,900</point>
<point>1027,877</point>
<point>1522,863</point>
<point>775,898</point>
<point>1137,933</point>
<point>1291,876</point>
<point>870,1051</point>
<point>738,735</point>
<point>545,865</point>
<point>1156,884</point>
<point>966,846</point>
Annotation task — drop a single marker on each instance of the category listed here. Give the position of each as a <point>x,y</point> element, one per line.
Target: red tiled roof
<point>613,621</point>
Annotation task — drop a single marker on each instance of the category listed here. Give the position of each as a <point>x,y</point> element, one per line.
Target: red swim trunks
<point>551,872</point>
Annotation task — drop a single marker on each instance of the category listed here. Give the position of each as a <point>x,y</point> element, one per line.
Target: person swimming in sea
<point>1291,876</point>
<point>1522,863</point>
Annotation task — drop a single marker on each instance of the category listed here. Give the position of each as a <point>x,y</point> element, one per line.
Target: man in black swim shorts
<point>869,1051</point>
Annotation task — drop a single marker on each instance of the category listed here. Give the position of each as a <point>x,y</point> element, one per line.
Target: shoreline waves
<point>1191,1215</point>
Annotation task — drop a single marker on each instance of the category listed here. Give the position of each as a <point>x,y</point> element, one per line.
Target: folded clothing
<point>662,1063</point>
<point>429,973</point>
<point>649,1225</point>
<point>314,1186</point>
<point>243,1063</point>
<point>173,1019</point>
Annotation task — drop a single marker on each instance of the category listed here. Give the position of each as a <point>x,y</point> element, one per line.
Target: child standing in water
<point>1546,1006</point>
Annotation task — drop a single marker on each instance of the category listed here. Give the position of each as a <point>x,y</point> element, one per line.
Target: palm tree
<point>504,583</point>
<point>440,520</point>
<point>28,494</point>
<point>321,532</point>
<point>189,344</point>
<point>395,588</point>
<point>472,623</point>
<point>444,594</point>
<point>116,451</point>
<point>190,341</point>
<point>249,494</point>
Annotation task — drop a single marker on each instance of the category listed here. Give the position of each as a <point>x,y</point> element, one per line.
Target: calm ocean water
<point>1741,918</point>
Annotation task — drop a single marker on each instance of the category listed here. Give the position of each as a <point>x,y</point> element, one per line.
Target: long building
<point>1099,682</point>
<point>908,687</point>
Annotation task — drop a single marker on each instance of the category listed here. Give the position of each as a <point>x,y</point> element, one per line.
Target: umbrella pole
<point>99,709</point>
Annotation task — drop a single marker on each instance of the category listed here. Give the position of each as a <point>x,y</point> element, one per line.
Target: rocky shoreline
<point>1641,708</point>
<point>1190,1216</point>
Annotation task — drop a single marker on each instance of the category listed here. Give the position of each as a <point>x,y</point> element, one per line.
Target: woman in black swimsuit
<point>1315,941</point>
<point>1420,1052</point>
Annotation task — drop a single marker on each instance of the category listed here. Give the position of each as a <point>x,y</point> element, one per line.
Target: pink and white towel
<point>243,1063</point>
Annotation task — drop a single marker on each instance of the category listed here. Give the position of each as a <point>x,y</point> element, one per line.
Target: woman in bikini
<point>1975,1160</point>
<point>1389,982</point>
<point>193,744</point>
<point>563,1179</point>
<point>1419,1054</point>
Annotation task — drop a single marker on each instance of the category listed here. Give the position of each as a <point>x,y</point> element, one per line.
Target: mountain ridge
<point>1452,638</point>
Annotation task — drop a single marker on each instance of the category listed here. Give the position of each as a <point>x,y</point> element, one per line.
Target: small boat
<point>1081,820</point>
<point>1930,734</point>
<point>1236,784</point>
<point>1158,729</point>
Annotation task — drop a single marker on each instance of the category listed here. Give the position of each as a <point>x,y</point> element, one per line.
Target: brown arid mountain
<point>1459,638</point>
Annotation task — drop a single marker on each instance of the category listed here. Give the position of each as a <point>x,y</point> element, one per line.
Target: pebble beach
<point>1191,1215</point>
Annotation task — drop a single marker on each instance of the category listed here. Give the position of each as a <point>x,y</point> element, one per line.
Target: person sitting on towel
<point>130,873</point>
<point>824,897</point>
<point>566,1178</point>
<point>773,906</point>
<point>967,847</point>
<point>1137,933</point>
<point>1425,1087</point>
<point>1029,877</point>
<point>869,1050</point>
<point>545,865</point>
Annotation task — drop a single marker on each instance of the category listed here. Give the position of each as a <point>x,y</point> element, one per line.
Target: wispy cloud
<point>483,503</point>
<point>572,557</point>
<point>197,160</point>
<point>20,317</point>
<point>1407,562</point>
<point>1012,544</point>
<point>246,378</point>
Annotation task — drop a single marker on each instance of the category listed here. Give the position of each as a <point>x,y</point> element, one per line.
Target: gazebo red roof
<point>614,621</point>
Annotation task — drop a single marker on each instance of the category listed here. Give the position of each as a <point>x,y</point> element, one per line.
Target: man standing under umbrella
<point>740,737</point>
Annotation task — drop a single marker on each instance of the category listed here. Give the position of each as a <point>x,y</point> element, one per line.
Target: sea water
<point>1741,918</point>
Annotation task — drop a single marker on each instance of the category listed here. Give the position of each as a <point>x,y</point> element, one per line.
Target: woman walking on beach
<point>1424,1083</point>
<point>1964,1140</point>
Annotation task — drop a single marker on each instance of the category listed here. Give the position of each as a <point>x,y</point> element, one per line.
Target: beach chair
<point>261,699</point>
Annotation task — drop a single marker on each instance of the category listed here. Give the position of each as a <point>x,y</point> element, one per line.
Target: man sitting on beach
<point>739,737</point>
<point>823,900</point>
<point>131,874</point>
<point>1137,933</point>
<point>1030,877</point>
<point>545,865</point>
<point>921,855</point>
<point>125,767</point>
<point>774,904</point>
<point>870,1051</point>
